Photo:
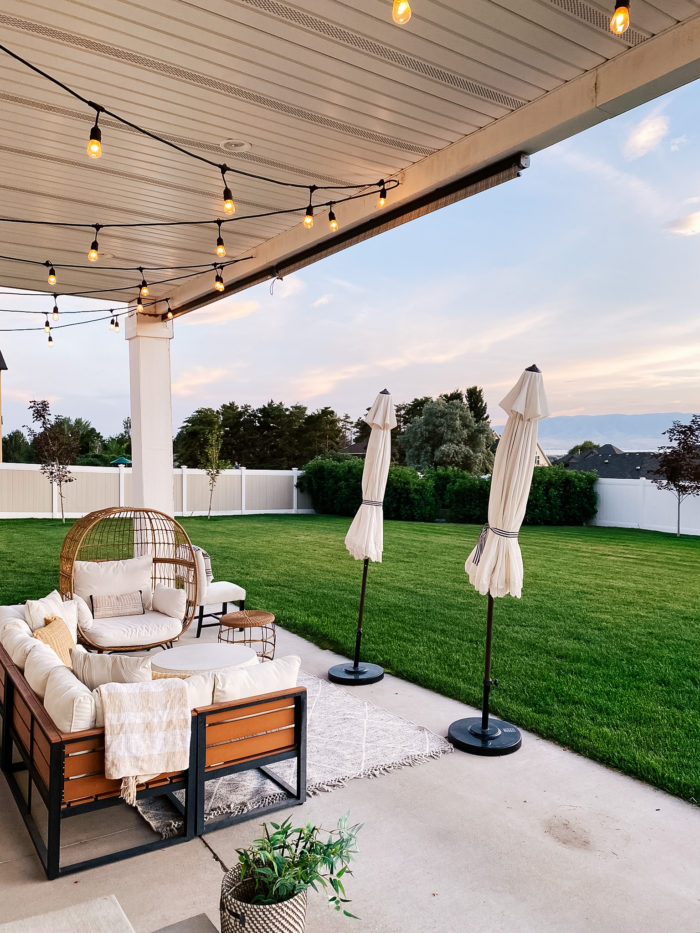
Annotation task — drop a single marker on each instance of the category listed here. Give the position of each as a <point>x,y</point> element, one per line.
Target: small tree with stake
<point>679,463</point>
<point>211,461</point>
<point>56,445</point>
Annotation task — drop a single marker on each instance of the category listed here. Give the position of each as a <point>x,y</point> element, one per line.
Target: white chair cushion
<point>134,630</point>
<point>93,670</point>
<point>85,617</point>
<point>222,592</point>
<point>280,674</point>
<point>68,702</point>
<point>170,601</point>
<point>41,660</point>
<point>36,611</point>
<point>114,577</point>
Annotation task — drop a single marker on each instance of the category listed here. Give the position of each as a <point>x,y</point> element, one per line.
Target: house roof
<point>609,462</point>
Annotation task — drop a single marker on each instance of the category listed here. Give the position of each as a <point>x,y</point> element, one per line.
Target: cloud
<point>323,300</point>
<point>676,143</point>
<point>228,309</point>
<point>194,380</point>
<point>646,136</point>
<point>290,286</point>
<point>686,226</point>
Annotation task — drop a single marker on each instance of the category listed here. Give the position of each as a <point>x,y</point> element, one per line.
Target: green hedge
<point>557,497</point>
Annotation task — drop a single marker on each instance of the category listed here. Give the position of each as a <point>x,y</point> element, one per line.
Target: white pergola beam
<point>641,74</point>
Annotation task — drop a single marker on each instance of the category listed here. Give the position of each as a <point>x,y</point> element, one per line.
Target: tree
<point>474,397</point>
<point>582,448</point>
<point>56,445</point>
<point>190,439</point>
<point>211,461</point>
<point>679,463</point>
<point>446,434</point>
<point>16,448</point>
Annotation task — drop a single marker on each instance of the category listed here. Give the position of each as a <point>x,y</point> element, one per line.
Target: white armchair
<point>212,593</point>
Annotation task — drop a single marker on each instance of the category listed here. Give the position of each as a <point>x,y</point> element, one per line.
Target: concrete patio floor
<point>536,842</point>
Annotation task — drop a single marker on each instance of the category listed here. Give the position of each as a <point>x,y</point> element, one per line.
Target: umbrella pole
<point>487,668</point>
<point>356,673</point>
<point>358,635</point>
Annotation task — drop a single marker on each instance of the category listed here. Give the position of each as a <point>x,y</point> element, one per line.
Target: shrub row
<point>557,497</point>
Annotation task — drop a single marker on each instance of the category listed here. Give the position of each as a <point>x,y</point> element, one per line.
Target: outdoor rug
<point>347,738</point>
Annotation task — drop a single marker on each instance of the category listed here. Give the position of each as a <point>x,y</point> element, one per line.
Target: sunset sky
<point>588,265</point>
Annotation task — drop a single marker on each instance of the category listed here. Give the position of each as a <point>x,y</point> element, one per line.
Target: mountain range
<point>628,432</point>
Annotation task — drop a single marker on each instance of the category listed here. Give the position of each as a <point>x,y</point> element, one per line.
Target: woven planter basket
<point>238,916</point>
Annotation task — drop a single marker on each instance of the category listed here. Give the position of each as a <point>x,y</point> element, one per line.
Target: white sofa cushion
<point>93,670</point>
<point>36,611</point>
<point>68,702</point>
<point>170,601</point>
<point>18,642</point>
<point>222,592</point>
<point>200,689</point>
<point>11,614</point>
<point>10,622</point>
<point>114,577</point>
<point>134,630</point>
<point>280,674</point>
<point>41,660</point>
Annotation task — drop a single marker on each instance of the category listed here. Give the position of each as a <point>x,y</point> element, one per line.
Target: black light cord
<point>222,167</point>
<point>95,320</point>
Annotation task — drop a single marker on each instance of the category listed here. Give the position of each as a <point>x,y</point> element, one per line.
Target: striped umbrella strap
<point>372,502</point>
<point>481,543</point>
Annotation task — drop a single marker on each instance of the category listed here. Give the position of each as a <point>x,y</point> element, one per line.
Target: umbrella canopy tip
<point>385,392</point>
<point>533,369</point>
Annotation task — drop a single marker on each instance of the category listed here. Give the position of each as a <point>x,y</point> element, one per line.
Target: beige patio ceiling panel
<point>325,91</point>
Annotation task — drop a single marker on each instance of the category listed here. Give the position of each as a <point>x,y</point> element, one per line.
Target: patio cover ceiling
<point>321,91</point>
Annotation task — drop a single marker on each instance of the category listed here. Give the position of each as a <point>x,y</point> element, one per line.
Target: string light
<point>111,324</point>
<point>139,303</point>
<point>220,248</point>
<point>116,324</point>
<point>229,206</point>
<point>219,281</point>
<point>93,252</point>
<point>50,341</point>
<point>620,19</point>
<point>332,221</point>
<point>169,315</point>
<point>47,326</point>
<point>52,274</point>
<point>382,194</point>
<point>143,288</point>
<point>401,12</point>
<point>94,146</point>
<point>54,313</point>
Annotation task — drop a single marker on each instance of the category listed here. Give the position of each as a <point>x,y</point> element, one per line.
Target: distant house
<point>609,462</point>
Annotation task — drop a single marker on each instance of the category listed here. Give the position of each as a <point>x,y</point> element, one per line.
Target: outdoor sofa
<point>64,770</point>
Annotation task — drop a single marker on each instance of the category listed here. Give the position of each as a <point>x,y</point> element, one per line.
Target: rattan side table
<point>253,628</point>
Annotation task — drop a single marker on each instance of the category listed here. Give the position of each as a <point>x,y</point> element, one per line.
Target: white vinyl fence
<point>26,493</point>
<point>637,503</point>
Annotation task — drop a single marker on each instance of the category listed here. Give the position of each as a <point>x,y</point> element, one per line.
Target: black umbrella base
<point>347,674</point>
<point>500,738</point>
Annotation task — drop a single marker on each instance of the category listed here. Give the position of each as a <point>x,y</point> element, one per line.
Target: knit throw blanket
<point>147,731</point>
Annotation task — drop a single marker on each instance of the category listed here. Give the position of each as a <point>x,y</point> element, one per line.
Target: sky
<point>588,265</point>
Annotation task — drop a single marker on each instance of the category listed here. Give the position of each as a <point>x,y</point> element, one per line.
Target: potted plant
<point>267,890</point>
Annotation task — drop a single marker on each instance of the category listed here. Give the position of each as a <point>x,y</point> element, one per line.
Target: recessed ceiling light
<point>236,145</point>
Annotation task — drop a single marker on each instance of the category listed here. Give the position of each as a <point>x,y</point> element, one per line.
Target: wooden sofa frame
<point>66,770</point>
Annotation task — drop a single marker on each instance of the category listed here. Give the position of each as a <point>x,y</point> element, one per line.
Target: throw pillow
<point>169,601</point>
<point>56,635</point>
<point>280,674</point>
<point>93,670</point>
<point>85,617</point>
<point>36,611</point>
<point>111,605</point>
<point>206,561</point>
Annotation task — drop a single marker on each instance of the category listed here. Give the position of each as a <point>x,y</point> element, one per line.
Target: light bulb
<point>52,276</point>
<point>144,288</point>
<point>139,304</point>
<point>111,324</point>
<point>309,218</point>
<point>54,313</point>
<point>50,340</point>
<point>116,324</point>
<point>332,221</point>
<point>220,248</point>
<point>229,206</point>
<point>620,20</point>
<point>382,197</point>
<point>93,254</point>
<point>401,12</point>
<point>219,282</point>
<point>94,146</point>
<point>47,326</point>
<point>169,315</point>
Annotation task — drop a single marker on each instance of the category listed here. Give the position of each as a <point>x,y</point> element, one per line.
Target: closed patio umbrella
<point>365,538</point>
<point>495,566</point>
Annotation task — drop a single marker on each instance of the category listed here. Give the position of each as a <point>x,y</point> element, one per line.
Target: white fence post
<point>295,497</point>
<point>54,500</point>
<point>121,485</point>
<point>242,490</point>
<point>184,490</point>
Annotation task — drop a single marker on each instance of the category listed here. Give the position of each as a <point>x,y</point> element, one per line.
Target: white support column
<point>295,477</point>
<point>184,490</point>
<point>151,412</point>
<point>243,490</point>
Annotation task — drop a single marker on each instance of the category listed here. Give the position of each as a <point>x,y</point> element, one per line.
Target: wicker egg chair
<point>122,533</point>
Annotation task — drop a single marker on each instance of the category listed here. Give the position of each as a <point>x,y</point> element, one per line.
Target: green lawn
<point>600,655</point>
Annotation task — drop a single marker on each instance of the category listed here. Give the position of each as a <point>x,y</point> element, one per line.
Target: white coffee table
<point>187,660</point>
